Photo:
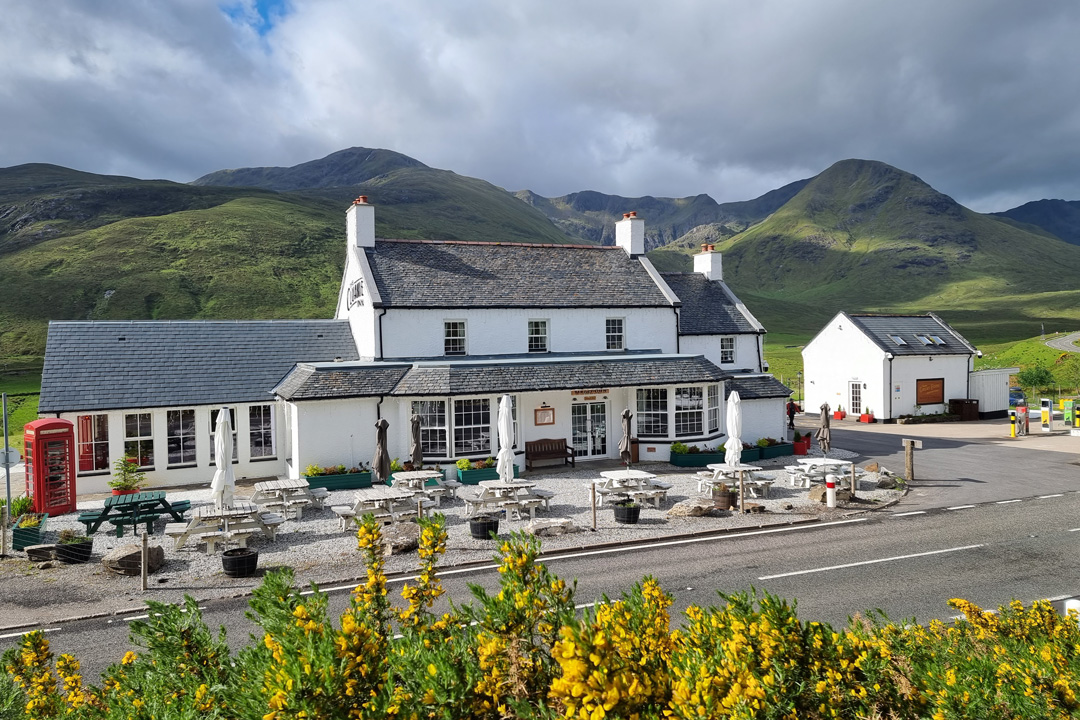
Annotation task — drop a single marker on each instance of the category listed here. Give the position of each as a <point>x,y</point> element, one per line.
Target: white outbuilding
<point>894,365</point>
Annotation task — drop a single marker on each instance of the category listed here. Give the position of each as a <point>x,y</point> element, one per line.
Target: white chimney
<point>630,234</point>
<point>360,223</point>
<point>709,263</point>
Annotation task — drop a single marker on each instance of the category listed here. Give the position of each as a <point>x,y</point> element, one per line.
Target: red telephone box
<point>50,465</point>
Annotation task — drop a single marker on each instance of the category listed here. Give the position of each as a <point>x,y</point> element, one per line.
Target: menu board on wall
<point>930,392</point>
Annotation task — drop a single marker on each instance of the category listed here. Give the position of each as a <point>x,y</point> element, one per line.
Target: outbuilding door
<point>588,424</point>
<point>855,397</point>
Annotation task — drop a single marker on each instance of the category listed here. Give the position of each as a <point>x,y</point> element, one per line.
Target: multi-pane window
<point>714,408</point>
<point>139,438</point>
<point>432,426</point>
<point>454,337</point>
<point>261,431</point>
<point>538,336</point>
<point>652,412</point>
<point>93,443</point>
<point>472,426</point>
<point>727,350</point>
<point>213,429</point>
<point>614,334</point>
<point>689,404</point>
<point>180,436</point>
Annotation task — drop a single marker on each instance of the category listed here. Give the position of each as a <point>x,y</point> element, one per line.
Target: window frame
<point>90,448</point>
<point>263,430</point>
<point>656,408</point>
<point>232,421</point>
<point>538,324</point>
<point>428,447</point>
<point>458,428</point>
<point>448,338</point>
<point>182,438</point>
<point>727,355</point>
<point>712,407</point>
<point>689,417</point>
<point>140,440</point>
<point>609,334</point>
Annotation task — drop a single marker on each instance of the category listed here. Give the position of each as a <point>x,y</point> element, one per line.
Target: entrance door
<point>855,396</point>
<point>588,424</point>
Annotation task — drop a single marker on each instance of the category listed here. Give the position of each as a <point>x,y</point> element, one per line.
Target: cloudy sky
<point>980,98</point>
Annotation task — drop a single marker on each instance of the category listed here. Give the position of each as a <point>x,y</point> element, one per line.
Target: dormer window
<point>898,340</point>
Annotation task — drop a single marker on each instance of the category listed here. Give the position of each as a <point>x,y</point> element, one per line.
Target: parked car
<point>1016,396</point>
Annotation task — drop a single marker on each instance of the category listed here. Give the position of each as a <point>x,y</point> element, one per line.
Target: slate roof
<point>706,308</point>
<point>880,328</point>
<point>142,364</point>
<point>484,378</point>
<point>435,274</point>
<point>756,387</point>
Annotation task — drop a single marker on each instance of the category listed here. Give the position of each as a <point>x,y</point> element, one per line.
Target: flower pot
<point>342,481</point>
<point>724,500</point>
<point>696,459</point>
<point>129,491</point>
<point>25,537</point>
<point>627,513</point>
<point>778,450</point>
<point>482,527</point>
<point>839,415</point>
<point>75,553</point>
<point>239,562</point>
<point>473,477</point>
<point>750,455</point>
<point>866,418</point>
<point>802,448</point>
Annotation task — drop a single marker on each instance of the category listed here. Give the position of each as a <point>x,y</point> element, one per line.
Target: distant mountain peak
<point>352,166</point>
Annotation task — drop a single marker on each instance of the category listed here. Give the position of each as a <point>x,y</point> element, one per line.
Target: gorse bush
<point>524,652</point>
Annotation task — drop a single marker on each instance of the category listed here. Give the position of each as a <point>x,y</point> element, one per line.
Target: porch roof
<point>756,387</point>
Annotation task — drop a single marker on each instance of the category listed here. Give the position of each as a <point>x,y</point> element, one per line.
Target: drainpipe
<point>760,360</point>
<point>378,407</point>
<point>381,313</point>
<point>890,388</point>
<point>675,310</point>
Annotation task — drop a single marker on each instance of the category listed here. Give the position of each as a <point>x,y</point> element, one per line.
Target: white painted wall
<point>763,418</point>
<point>746,350</point>
<point>339,432</point>
<point>991,389</point>
<point>161,476</point>
<point>839,355</point>
<point>419,333</point>
<point>906,370</point>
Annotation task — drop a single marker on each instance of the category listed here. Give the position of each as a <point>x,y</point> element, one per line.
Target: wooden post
<point>853,478</point>
<point>742,494</point>
<point>593,487</point>
<point>909,457</point>
<point>143,560</point>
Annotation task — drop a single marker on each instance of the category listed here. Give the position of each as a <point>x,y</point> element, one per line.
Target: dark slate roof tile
<point>706,308</point>
<point>172,363</point>
<point>880,328</point>
<point>756,387</point>
<point>424,273</point>
<point>322,382</point>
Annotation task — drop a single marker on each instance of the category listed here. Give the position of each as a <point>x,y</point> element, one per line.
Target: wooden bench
<point>549,449</point>
<point>318,497</point>
<point>544,495</point>
<point>120,522</point>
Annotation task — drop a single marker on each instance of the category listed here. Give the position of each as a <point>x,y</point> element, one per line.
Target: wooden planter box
<point>775,451</point>
<point>473,477</point>
<point>751,455</point>
<point>345,481</point>
<point>802,448</point>
<point>696,459</point>
<point>25,537</point>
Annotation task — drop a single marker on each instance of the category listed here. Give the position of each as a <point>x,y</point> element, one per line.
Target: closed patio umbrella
<point>733,446</point>
<point>624,443</point>
<point>381,464</point>
<point>504,461</point>
<point>416,454</point>
<point>824,433</point>
<point>224,482</point>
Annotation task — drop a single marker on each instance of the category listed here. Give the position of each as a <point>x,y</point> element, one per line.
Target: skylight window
<point>925,340</point>
<point>898,340</point>
<point>937,340</point>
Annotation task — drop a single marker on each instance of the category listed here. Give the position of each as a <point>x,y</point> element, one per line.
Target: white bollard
<point>830,490</point>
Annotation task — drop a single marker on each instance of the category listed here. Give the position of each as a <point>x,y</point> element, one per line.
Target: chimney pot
<point>632,213</point>
<point>625,215</point>
<point>704,247</point>
<point>362,200</point>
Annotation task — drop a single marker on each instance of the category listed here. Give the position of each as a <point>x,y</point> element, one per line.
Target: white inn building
<point>574,334</point>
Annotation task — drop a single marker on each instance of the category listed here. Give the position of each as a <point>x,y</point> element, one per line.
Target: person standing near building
<point>791,409</point>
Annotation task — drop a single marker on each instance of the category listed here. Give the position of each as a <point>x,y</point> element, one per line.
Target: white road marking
<point>870,562</point>
<point>1045,497</point>
<point>27,631</point>
<point>1006,502</point>
<point>144,617</point>
<point>1075,530</point>
<point>913,512</point>
<point>960,507</point>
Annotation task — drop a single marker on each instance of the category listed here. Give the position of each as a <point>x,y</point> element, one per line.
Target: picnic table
<point>821,466</point>
<point>508,496</point>
<point>134,509</point>
<point>721,473</point>
<point>739,471</point>
<point>211,524</point>
<point>632,484</point>
<point>288,494</point>
<point>416,481</point>
<point>385,503</point>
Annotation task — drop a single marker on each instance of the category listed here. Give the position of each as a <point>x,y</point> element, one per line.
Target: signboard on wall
<point>930,392</point>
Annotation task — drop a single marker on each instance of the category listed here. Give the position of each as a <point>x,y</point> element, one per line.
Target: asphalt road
<point>1066,343</point>
<point>908,565</point>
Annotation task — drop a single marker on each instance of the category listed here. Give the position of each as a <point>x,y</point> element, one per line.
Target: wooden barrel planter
<point>481,527</point>
<point>627,513</point>
<point>240,562</point>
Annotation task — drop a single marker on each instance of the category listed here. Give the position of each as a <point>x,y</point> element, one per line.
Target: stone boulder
<point>887,482</point>
<point>400,538</point>
<point>694,507</point>
<point>40,553</point>
<point>817,494</point>
<point>872,467</point>
<point>551,527</point>
<point>127,559</point>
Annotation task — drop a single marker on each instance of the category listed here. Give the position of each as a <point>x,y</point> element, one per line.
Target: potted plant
<point>240,562</point>
<point>723,497</point>
<point>627,512</point>
<point>801,444</point>
<point>683,455</point>
<point>74,548</point>
<point>470,472</point>
<point>773,448</point>
<point>28,530</point>
<point>867,416</point>
<point>127,476</point>
<point>337,477</point>
<point>19,506</point>
<point>750,453</point>
<point>483,527</point>
<point>839,413</point>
